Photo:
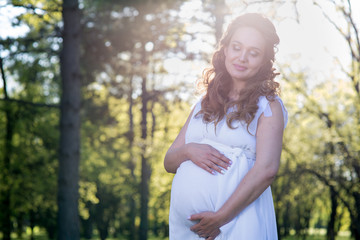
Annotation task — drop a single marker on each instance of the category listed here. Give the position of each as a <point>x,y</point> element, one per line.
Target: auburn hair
<point>217,82</point>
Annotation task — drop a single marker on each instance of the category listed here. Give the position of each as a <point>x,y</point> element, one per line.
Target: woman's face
<point>244,55</point>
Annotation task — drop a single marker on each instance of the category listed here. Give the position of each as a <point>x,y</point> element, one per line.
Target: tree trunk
<point>69,154</point>
<point>32,224</point>
<point>145,168</point>
<point>331,233</point>
<point>5,196</point>
<point>131,163</point>
<point>87,224</point>
<point>6,193</point>
<point>355,221</point>
<point>220,12</point>
<point>101,216</point>
<point>286,220</point>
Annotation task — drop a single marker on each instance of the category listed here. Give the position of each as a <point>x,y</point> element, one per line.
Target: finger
<point>213,235</point>
<point>218,163</point>
<point>222,158</point>
<point>223,161</point>
<point>218,158</point>
<point>214,162</point>
<point>215,167</point>
<point>196,216</point>
<point>207,168</point>
<point>226,160</point>
<point>197,228</point>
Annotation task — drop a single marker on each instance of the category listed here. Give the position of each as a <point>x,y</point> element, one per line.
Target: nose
<point>243,56</point>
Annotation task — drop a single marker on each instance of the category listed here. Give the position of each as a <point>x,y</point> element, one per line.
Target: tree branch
<point>327,183</point>
<point>353,25</point>
<point>354,46</point>
<point>23,102</point>
<point>3,77</point>
<point>32,7</point>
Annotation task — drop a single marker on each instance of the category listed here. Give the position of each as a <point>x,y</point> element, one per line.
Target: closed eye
<point>254,53</point>
<point>236,47</point>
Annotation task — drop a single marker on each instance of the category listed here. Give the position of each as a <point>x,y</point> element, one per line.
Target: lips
<point>240,67</point>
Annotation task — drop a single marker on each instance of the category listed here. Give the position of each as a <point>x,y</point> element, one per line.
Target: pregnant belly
<point>194,190</point>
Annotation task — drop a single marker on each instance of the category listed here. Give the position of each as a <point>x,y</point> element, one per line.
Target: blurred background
<point>139,62</point>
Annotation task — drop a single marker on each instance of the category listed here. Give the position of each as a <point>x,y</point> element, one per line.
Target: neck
<point>235,91</point>
<point>234,94</point>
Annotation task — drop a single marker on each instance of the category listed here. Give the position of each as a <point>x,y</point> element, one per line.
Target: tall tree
<point>346,169</point>
<point>69,155</point>
<point>123,45</point>
<point>6,224</point>
<point>145,166</point>
<point>219,10</point>
<point>26,161</point>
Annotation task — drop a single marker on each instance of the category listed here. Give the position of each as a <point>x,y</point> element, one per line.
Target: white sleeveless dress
<point>194,190</point>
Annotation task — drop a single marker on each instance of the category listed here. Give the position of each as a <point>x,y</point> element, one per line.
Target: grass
<point>316,237</point>
<point>44,237</point>
<point>40,234</point>
<point>320,234</point>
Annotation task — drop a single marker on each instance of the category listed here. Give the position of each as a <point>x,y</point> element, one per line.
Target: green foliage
<point>125,43</point>
<point>319,153</point>
<point>30,63</point>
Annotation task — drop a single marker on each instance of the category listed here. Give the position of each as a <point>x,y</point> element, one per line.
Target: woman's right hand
<point>208,158</point>
<point>203,155</point>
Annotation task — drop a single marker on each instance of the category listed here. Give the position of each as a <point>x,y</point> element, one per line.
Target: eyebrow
<point>234,41</point>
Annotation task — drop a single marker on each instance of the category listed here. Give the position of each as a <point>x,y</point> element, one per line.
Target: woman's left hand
<point>208,226</point>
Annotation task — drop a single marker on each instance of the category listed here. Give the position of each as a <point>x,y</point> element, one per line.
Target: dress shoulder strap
<point>264,108</point>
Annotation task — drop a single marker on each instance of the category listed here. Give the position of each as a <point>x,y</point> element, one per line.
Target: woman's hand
<point>208,226</point>
<point>203,155</point>
<point>208,158</point>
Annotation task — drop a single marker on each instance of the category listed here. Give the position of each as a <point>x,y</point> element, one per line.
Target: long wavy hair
<point>217,82</point>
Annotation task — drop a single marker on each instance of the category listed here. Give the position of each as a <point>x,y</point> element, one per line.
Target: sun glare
<point>313,44</point>
<point>7,15</point>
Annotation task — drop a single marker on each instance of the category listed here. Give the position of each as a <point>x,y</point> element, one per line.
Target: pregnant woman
<point>228,152</point>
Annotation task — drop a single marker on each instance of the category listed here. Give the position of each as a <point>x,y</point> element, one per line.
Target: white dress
<point>194,190</point>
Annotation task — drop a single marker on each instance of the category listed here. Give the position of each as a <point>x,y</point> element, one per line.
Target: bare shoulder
<point>276,120</point>
<point>276,109</point>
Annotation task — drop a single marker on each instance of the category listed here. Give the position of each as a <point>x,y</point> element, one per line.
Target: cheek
<point>227,64</point>
<point>229,59</point>
<point>257,63</point>
<point>229,54</point>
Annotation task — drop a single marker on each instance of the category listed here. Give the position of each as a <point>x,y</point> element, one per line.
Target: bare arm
<point>202,155</point>
<point>177,152</point>
<point>268,150</point>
